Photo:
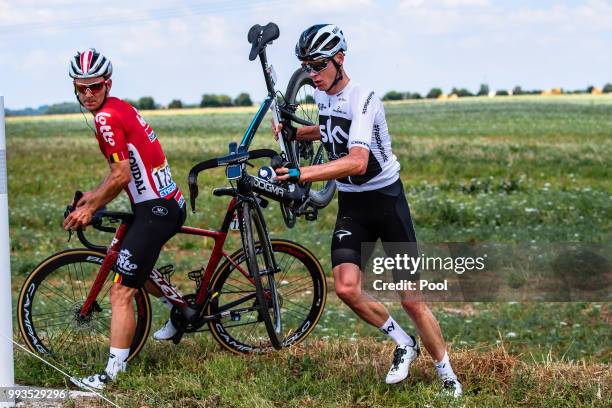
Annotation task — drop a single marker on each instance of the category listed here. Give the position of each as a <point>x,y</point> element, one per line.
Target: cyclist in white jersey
<point>371,201</point>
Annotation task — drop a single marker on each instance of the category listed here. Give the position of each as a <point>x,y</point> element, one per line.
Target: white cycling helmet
<point>90,64</point>
<point>320,41</point>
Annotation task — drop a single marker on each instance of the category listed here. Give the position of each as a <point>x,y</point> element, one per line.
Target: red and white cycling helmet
<point>320,41</point>
<point>90,64</point>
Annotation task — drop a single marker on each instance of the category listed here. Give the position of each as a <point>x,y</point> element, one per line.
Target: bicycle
<point>63,307</point>
<point>226,295</point>
<point>296,105</point>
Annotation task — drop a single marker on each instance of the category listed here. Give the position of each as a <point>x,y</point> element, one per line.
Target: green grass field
<point>473,169</point>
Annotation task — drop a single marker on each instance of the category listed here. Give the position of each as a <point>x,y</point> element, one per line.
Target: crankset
<point>184,324</point>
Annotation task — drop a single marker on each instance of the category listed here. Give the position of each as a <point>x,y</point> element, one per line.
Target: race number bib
<point>163,179</point>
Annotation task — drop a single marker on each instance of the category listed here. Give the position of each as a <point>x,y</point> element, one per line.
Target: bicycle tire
<point>56,288</point>
<point>301,278</point>
<point>300,93</point>
<point>263,275</point>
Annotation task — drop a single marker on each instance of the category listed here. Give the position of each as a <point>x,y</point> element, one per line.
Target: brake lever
<point>70,208</point>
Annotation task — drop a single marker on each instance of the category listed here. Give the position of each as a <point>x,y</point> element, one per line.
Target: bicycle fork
<point>109,260</point>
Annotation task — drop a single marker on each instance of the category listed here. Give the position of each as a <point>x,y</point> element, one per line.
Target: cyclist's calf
<point>121,296</point>
<point>123,323</point>
<point>347,283</point>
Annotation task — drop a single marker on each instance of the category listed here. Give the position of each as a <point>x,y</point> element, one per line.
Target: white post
<point>7,374</point>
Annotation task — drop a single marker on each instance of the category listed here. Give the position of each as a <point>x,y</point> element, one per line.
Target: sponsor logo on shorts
<point>159,211</point>
<point>123,262</point>
<point>342,233</point>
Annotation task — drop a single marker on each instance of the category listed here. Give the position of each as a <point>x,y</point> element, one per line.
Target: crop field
<point>506,169</point>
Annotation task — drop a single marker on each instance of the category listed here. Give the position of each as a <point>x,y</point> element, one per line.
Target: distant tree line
<point>144,103</point>
<point>244,99</point>
<point>208,100</point>
<point>484,90</point>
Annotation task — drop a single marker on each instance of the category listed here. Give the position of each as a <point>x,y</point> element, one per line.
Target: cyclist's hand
<point>85,199</point>
<point>80,217</point>
<point>276,129</point>
<point>290,131</point>
<point>291,175</point>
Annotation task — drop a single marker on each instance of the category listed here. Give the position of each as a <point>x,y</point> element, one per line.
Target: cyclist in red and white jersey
<point>137,165</point>
<point>124,135</point>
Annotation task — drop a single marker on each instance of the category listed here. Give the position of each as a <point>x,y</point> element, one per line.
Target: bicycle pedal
<point>166,270</point>
<point>196,276</point>
<point>311,216</point>
<point>176,339</point>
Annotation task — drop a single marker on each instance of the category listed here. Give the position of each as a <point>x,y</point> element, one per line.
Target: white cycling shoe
<point>451,387</point>
<point>96,381</point>
<point>403,356</point>
<point>167,332</point>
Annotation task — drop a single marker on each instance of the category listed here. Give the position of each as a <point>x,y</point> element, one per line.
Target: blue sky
<point>182,49</point>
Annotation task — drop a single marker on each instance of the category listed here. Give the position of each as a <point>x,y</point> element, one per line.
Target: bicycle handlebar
<point>233,158</point>
<point>97,222</point>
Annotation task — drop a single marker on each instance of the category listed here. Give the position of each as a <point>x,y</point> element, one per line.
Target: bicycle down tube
<point>156,278</point>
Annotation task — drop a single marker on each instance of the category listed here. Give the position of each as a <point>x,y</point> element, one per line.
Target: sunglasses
<point>316,66</point>
<point>93,88</point>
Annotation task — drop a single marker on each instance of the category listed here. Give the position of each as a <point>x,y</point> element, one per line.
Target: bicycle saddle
<point>260,36</point>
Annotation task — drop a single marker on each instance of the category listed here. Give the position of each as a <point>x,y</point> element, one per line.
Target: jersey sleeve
<point>111,136</point>
<point>364,108</point>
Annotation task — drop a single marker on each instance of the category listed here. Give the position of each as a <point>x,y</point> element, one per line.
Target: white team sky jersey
<point>355,116</point>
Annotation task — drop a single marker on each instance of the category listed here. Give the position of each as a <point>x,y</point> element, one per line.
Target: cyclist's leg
<point>168,330</point>
<point>149,286</point>
<point>347,260</point>
<point>137,256</point>
<point>350,232</point>
<point>400,229</point>
<point>155,222</point>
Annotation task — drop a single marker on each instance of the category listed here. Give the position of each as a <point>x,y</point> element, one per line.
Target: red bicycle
<point>64,308</point>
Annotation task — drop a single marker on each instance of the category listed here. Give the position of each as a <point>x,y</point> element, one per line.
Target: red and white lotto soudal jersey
<point>124,135</point>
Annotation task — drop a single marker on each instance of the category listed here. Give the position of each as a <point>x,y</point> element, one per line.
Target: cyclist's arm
<point>308,133</point>
<point>114,146</point>
<point>118,178</point>
<point>354,164</point>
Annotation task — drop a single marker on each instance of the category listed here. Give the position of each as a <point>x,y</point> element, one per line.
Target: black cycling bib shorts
<point>367,216</point>
<point>155,222</point>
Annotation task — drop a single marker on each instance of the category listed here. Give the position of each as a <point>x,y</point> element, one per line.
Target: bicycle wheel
<point>261,269</point>
<point>300,93</point>
<point>302,292</point>
<point>48,311</point>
